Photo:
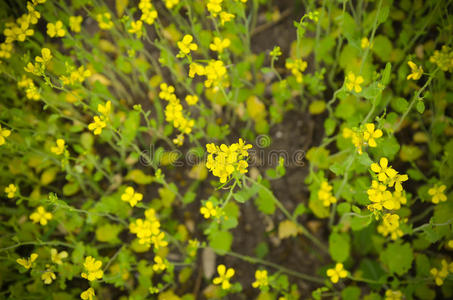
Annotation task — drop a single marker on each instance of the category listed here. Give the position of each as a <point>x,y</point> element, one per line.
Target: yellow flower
<point>131,196</point>
<point>440,275</point>
<point>370,134</point>
<point>167,92</point>
<point>443,58</point>
<point>214,7</point>
<point>104,21</point>
<point>390,225</point>
<point>4,133</point>
<point>191,99</point>
<point>5,50</point>
<point>393,295</point>
<point>55,30</point>
<point>397,180</point>
<point>104,109</point>
<point>27,262</point>
<point>438,193</point>
<point>57,257</point>
<point>136,28</point>
<point>196,69</point>
<point>325,194</point>
<point>59,149</point>
<point>297,67</point>
<point>171,3</point>
<point>224,276</point>
<point>10,190</point>
<point>48,276</point>
<point>276,52</point>
<point>46,56</point>
<point>215,73</point>
<point>160,265</point>
<point>260,279</point>
<point>353,82</point>
<point>208,210</point>
<point>74,23</point>
<point>383,170</point>
<point>41,216</point>
<point>364,43</point>
<point>219,45</point>
<point>186,45</point>
<point>149,15</point>
<point>225,17</point>
<point>416,73</point>
<point>337,273</point>
<point>97,125</point>
<point>88,294</point>
<point>93,269</point>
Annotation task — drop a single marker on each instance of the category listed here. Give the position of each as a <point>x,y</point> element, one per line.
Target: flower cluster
<point>11,190</point>
<point>20,29</point>
<point>215,72</point>
<point>59,148</point>
<point>149,13</point>
<point>325,194</point>
<point>148,231</point>
<point>104,21</point>
<point>390,226</point>
<point>224,160</point>
<point>336,273</point>
<point>75,75</point>
<point>393,295</point>
<point>40,63</point>
<point>75,23</point>
<point>209,210</point>
<point>100,122</point>
<point>31,91</point>
<point>174,113</point>
<point>27,263</point>
<point>56,30</point>
<point>92,269</point>
<point>440,275</point>
<point>215,9</point>
<point>218,45</point>
<point>363,136</point>
<point>261,279</point>
<point>443,58</point>
<point>297,67</point>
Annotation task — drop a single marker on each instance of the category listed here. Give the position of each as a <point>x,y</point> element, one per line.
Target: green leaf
<point>319,157</point>
<point>130,128</point>
<point>265,202</point>
<point>399,104</point>
<point>246,193</point>
<point>108,233</point>
<point>382,47</point>
<point>420,106</point>
<point>220,241</point>
<point>410,153</point>
<point>350,293</point>
<point>386,74</point>
<point>398,258</point>
<point>339,246</point>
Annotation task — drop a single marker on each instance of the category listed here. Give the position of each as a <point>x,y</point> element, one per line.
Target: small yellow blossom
<point>336,273</point>
<point>160,264</point>
<point>325,194</point>
<point>136,28</point>
<point>443,58</point>
<point>131,196</point>
<point>5,50</point>
<point>75,22</point>
<point>219,45</point>
<point>57,257</point>
<point>92,268</point>
<point>276,52</point>
<point>87,294</point>
<point>438,193</point>
<point>149,14</point>
<point>171,3</point>
<point>97,125</point>
<point>353,82</point>
<point>390,226</point>
<point>364,43</point>
<point>261,279</point>
<point>440,275</point>
<point>191,99</point>
<point>383,170</point>
<point>104,21</point>
<point>11,190</point>
<point>370,134</point>
<point>196,69</point>
<point>27,263</point>
<point>416,73</point>
<point>208,210</point>
<point>297,67</point>
<point>104,109</point>
<point>59,149</point>
<point>214,7</point>
<point>225,17</point>
<point>4,133</point>
<point>186,45</point>
<point>48,276</point>
<point>41,216</point>
<point>45,58</point>
<point>393,295</point>
<point>224,277</point>
<point>55,30</point>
